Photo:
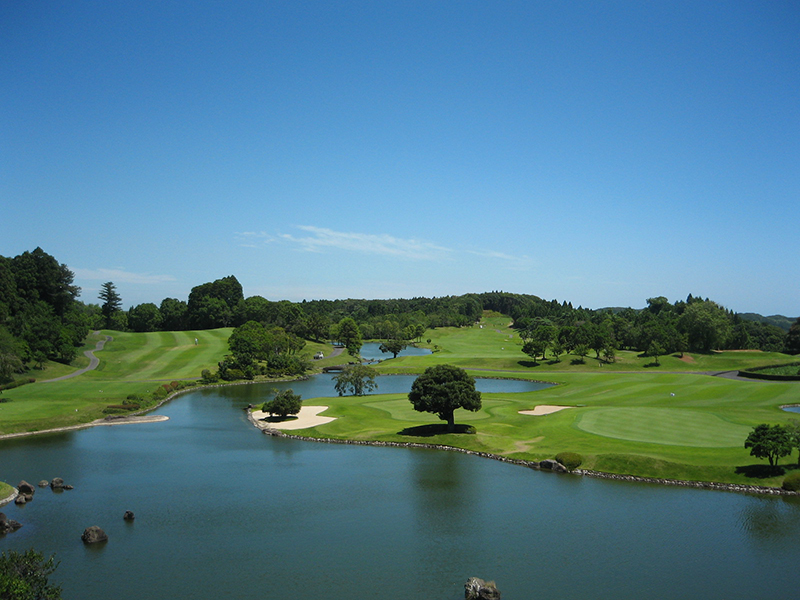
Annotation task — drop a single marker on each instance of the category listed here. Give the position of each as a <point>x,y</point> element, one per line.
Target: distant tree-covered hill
<point>784,323</point>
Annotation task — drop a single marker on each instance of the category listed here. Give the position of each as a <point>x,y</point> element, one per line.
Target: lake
<point>225,511</point>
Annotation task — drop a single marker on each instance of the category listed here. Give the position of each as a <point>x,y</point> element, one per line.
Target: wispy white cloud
<point>254,239</point>
<point>518,263</point>
<point>321,238</point>
<point>121,276</point>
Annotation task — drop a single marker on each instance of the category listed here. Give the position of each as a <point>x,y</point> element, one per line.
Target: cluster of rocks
<point>26,490</point>
<point>8,525</point>
<point>478,589</point>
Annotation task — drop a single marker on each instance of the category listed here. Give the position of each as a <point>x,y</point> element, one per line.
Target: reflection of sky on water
<point>372,351</point>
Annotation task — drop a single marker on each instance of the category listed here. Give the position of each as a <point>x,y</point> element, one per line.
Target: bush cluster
<point>791,482</point>
<point>571,460</point>
<point>166,389</point>
<point>15,384</point>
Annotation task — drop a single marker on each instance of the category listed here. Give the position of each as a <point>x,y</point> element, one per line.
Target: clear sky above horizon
<point>595,152</point>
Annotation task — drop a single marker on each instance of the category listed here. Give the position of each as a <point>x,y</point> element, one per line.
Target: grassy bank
<point>132,363</point>
<point>5,491</point>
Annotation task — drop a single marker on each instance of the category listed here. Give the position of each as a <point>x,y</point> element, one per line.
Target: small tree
<point>441,390</point>
<point>23,576</point>
<point>357,379</point>
<point>393,346</point>
<point>770,442</point>
<point>285,403</point>
<point>349,335</point>
<point>609,354</point>
<point>581,350</point>
<point>655,350</point>
<point>112,302</point>
<point>557,349</point>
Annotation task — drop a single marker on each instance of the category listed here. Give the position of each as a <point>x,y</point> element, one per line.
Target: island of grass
<point>6,492</point>
<point>674,421</point>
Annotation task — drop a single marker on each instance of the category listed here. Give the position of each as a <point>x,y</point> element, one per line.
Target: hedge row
<point>15,384</point>
<point>757,373</point>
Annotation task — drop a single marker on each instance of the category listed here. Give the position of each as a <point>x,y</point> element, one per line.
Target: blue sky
<point>596,152</point>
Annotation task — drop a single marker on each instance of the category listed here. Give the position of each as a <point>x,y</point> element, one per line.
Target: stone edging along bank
<point>532,464</point>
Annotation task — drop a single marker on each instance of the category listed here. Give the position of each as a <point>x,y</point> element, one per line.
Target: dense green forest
<point>41,318</point>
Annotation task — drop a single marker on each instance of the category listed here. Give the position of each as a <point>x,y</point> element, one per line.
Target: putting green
<point>667,426</point>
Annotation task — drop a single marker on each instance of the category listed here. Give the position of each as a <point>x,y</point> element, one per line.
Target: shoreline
<point>275,432</point>
<point>532,464</point>
<point>9,499</point>
<point>122,420</point>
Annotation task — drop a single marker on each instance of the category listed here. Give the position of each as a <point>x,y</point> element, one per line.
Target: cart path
<point>93,361</point>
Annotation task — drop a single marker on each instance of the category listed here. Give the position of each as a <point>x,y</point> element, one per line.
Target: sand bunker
<point>543,409</point>
<point>134,419</point>
<point>308,417</point>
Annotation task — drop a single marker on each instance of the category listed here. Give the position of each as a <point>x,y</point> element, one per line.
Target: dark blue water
<point>223,511</point>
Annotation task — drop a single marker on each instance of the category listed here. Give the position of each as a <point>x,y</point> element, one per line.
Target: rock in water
<point>26,488</point>
<point>478,589</point>
<point>552,465</point>
<point>57,483</point>
<point>8,525</point>
<point>43,483</point>
<point>94,534</point>
<point>128,516</point>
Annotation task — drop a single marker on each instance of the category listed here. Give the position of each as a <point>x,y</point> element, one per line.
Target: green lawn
<point>132,363</point>
<point>5,490</point>
<point>625,423</point>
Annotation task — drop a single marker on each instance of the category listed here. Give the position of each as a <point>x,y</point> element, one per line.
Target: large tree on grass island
<point>441,390</point>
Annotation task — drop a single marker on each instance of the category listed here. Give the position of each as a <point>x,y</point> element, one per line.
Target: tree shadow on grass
<point>435,429</point>
<point>761,471</point>
<point>528,363</point>
<point>279,419</point>
<point>577,361</point>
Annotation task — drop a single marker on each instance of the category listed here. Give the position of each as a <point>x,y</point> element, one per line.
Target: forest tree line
<point>41,318</point>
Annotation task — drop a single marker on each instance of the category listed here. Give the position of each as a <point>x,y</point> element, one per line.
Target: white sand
<point>307,417</point>
<point>544,409</point>
<point>134,419</point>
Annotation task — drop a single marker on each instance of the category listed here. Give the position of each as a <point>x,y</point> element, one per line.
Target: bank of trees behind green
<point>41,318</point>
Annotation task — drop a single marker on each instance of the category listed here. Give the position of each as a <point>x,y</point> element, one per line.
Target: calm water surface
<point>224,511</point>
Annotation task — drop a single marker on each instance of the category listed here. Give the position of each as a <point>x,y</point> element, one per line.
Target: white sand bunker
<point>307,417</point>
<point>544,409</point>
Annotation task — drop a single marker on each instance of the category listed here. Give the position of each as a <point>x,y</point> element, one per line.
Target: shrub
<point>132,399</point>
<point>124,406</point>
<point>791,482</point>
<point>16,384</point>
<point>571,460</point>
<point>206,376</point>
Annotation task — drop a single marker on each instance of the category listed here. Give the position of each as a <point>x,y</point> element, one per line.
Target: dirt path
<point>93,362</point>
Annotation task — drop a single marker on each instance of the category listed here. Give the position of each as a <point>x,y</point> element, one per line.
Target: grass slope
<point>132,363</point>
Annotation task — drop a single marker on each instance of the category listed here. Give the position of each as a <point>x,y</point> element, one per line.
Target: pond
<point>372,351</point>
<point>224,511</point>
